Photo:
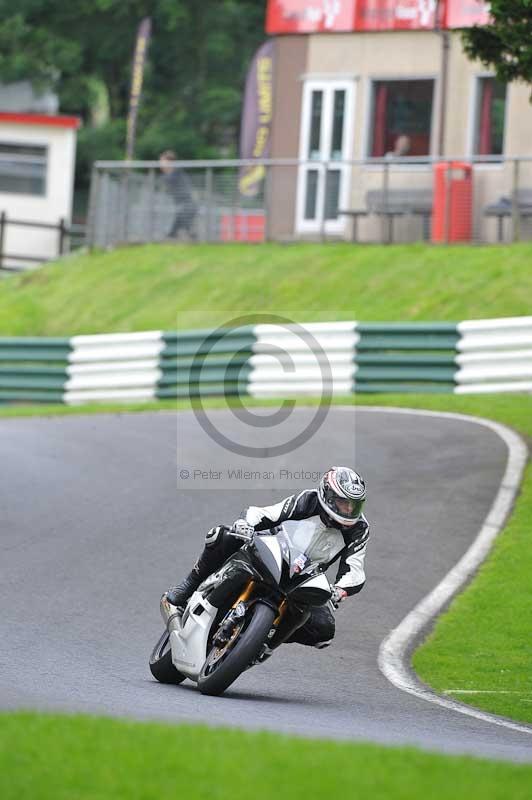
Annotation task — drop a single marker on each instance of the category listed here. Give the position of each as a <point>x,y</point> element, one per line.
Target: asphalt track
<point>93,529</point>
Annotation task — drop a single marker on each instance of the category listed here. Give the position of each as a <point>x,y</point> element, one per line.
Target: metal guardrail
<point>456,199</point>
<point>271,361</point>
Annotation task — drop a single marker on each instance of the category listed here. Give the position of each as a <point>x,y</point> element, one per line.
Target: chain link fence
<point>484,200</point>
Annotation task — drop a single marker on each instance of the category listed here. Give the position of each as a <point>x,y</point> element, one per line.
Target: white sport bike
<point>240,614</point>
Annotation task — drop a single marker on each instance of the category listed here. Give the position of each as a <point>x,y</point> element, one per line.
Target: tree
<point>506,44</point>
<point>197,62</point>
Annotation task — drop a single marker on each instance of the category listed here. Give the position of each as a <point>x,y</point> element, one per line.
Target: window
<point>315,125</point>
<point>338,125</point>
<point>325,138</point>
<point>23,169</point>
<point>311,194</point>
<point>402,109</point>
<point>489,117</point>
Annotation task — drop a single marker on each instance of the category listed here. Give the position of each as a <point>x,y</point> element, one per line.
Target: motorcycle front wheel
<point>161,665</point>
<point>223,665</point>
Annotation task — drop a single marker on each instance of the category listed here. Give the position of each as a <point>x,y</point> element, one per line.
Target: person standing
<point>179,188</point>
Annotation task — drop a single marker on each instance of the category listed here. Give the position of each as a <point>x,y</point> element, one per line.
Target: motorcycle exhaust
<point>170,614</point>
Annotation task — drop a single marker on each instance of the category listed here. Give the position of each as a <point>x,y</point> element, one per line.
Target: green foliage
<point>92,142</point>
<point>197,61</point>
<point>506,44</point>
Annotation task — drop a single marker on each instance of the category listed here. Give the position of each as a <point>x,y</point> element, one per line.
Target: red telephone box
<point>452,205</point>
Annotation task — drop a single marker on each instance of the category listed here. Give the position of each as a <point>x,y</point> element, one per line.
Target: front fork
<point>238,611</point>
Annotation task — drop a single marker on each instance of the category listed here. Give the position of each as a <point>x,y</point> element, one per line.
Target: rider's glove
<point>338,594</point>
<point>242,529</point>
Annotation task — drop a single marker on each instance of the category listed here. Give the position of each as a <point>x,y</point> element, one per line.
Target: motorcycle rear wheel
<point>161,665</point>
<point>215,678</point>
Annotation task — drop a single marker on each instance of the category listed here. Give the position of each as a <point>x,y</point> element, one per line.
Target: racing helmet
<point>342,493</point>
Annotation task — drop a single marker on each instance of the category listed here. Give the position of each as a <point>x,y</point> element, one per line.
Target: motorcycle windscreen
<point>311,538</point>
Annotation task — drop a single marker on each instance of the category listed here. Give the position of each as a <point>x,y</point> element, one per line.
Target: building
<point>37,157</point>
<point>351,77</point>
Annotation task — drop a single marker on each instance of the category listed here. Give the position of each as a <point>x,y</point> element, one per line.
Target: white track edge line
<point>394,648</point>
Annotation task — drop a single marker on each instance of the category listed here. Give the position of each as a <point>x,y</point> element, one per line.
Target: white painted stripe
<point>300,359</point>
<point>495,357</point>
<point>88,396</point>
<point>329,336</point>
<point>490,325</point>
<point>494,373</point>
<point>131,379</point>
<point>487,387</point>
<point>495,341</point>
<point>107,352</point>
<point>287,389</point>
<point>395,649</point>
<point>99,367</point>
<point>285,362</point>
<point>278,375</point>
<point>116,347</point>
<point>291,343</point>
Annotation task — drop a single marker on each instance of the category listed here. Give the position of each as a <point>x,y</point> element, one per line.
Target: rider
<point>338,502</point>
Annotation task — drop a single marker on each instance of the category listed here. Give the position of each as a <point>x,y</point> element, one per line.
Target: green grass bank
<point>88,758</point>
<point>168,286</point>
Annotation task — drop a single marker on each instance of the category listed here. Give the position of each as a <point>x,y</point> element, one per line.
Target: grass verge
<point>482,643</point>
<point>189,286</point>
<point>88,758</point>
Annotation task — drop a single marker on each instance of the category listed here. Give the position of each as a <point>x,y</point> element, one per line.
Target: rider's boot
<point>208,562</point>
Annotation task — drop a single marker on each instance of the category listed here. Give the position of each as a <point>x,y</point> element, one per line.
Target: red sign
<point>243,227</point>
<point>318,16</point>
<point>385,15</point>
<point>465,13</point>
<point>310,16</point>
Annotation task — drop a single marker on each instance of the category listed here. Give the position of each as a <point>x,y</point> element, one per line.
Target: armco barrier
<point>495,355</point>
<point>405,357</point>
<point>271,360</point>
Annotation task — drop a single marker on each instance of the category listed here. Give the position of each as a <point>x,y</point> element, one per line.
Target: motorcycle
<point>241,614</point>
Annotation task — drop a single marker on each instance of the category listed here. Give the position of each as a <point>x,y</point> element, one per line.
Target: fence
<point>270,360</point>
<point>480,199</point>
<point>66,234</point>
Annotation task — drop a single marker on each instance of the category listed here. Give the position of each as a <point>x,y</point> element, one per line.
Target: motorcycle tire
<point>245,649</point>
<point>161,665</point>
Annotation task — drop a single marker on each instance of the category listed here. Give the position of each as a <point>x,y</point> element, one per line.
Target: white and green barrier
<point>271,361</point>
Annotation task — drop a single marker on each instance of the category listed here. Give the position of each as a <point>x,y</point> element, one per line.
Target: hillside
<point>165,286</point>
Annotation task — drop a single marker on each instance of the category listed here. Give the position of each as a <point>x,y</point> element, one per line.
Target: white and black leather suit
<point>319,629</point>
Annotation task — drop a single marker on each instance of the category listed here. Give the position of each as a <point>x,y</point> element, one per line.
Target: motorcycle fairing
<point>189,642</point>
<point>314,591</point>
<point>268,549</point>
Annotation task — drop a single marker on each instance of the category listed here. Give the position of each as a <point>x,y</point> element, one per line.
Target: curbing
<point>395,650</point>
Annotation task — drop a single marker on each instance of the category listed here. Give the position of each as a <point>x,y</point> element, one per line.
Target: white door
<point>325,146</point>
